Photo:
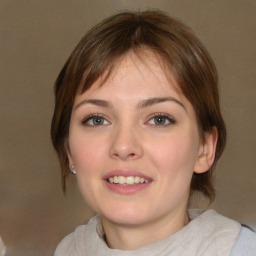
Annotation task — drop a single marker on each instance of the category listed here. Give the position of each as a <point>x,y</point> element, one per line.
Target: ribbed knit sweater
<point>207,234</point>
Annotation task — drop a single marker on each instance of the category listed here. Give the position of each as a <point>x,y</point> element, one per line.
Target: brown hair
<point>101,48</point>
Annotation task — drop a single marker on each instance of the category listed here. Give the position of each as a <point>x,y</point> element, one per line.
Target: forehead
<point>142,70</point>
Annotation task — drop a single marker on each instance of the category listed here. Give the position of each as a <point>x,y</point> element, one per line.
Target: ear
<point>70,160</point>
<point>68,152</point>
<point>207,150</point>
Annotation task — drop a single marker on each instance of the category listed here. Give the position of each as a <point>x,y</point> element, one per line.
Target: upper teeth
<point>130,180</point>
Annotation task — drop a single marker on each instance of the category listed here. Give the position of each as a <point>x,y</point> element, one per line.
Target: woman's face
<point>135,144</point>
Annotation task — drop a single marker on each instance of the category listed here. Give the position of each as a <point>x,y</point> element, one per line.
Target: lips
<point>130,180</point>
<point>126,181</point>
<point>126,173</point>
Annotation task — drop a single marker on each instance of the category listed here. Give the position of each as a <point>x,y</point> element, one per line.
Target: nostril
<point>125,148</point>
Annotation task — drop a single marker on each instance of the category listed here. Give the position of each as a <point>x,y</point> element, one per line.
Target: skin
<point>125,135</point>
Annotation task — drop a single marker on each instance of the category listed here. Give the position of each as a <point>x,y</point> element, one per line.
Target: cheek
<point>175,153</point>
<point>87,152</point>
<point>174,162</point>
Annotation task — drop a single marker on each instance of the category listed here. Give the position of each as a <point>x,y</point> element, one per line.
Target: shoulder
<point>245,244</point>
<point>67,247</point>
<point>81,240</point>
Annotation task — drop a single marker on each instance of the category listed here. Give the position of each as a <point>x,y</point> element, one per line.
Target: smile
<point>130,180</point>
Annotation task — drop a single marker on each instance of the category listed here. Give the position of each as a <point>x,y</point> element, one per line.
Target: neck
<point>132,237</point>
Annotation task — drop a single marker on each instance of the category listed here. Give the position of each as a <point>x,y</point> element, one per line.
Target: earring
<point>73,169</point>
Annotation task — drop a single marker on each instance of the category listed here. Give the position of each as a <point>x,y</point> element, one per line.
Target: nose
<point>126,144</point>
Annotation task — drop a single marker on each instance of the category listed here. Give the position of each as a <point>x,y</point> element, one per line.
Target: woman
<point>137,119</point>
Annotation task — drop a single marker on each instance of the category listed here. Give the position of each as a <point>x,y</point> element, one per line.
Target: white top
<point>207,234</point>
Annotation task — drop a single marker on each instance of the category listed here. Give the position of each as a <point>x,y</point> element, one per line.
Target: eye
<point>161,120</point>
<point>95,120</point>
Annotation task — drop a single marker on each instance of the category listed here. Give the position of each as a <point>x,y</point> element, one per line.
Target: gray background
<point>36,39</point>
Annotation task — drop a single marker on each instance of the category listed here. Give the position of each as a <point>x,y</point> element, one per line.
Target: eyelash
<point>92,117</point>
<point>163,116</point>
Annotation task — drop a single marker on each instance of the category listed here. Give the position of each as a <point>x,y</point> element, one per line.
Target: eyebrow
<point>152,101</point>
<point>97,102</point>
<point>143,104</point>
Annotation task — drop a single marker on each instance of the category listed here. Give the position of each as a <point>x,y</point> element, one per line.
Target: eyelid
<point>163,115</point>
<point>89,117</point>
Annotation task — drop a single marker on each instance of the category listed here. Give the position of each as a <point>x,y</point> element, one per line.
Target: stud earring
<point>73,169</point>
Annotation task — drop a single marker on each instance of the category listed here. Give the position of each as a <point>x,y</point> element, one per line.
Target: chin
<point>127,216</point>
